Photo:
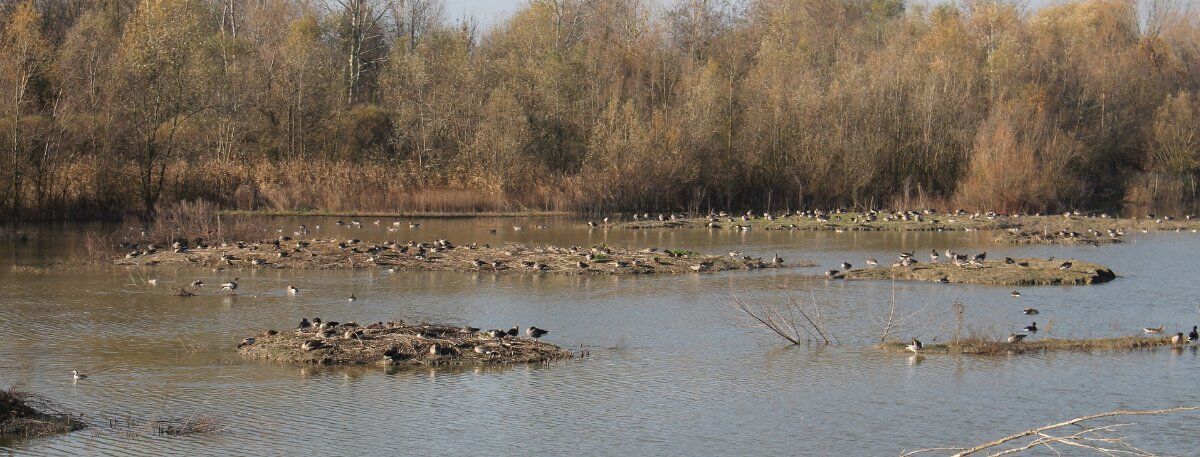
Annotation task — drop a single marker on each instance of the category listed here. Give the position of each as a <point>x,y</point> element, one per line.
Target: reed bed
<point>33,416</point>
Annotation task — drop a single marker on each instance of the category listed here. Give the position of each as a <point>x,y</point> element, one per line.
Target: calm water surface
<point>675,370</point>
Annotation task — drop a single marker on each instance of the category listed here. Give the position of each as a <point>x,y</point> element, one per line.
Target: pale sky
<point>485,11</point>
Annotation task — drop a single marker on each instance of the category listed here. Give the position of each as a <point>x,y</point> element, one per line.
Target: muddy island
<point>440,255</point>
<point>976,346</point>
<point>1016,272</point>
<point>398,343</point>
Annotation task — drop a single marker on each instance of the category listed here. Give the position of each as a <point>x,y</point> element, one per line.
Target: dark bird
<point>535,332</point>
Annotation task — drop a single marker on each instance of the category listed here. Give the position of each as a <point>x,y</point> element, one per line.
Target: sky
<point>487,12</point>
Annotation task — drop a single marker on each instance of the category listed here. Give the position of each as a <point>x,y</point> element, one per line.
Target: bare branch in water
<point>1091,438</point>
<point>783,321</point>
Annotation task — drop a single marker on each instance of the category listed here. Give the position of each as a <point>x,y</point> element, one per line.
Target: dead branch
<point>1040,430</point>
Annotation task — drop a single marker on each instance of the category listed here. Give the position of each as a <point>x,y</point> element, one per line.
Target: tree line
<point>113,107</point>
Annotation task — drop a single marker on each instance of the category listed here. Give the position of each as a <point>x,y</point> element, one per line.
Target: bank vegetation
<point>110,107</point>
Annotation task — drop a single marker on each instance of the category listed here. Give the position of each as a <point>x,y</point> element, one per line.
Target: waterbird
<point>291,290</point>
<point>230,286</point>
<point>1031,328</point>
<point>1015,294</point>
<point>1159,329</point>
<point>76,375</point>
<point>1015,337</point>
<point>915,346</point>
<point>535,332</point>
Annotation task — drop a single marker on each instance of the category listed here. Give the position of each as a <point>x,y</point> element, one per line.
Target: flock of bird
<point>905,259</point>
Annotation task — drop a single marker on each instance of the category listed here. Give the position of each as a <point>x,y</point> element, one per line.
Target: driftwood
<point>1089,438</point>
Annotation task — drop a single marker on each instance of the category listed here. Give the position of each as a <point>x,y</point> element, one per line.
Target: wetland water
<point>676,369</point>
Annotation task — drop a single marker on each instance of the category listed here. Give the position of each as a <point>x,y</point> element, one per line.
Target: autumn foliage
<point>108,108</point>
